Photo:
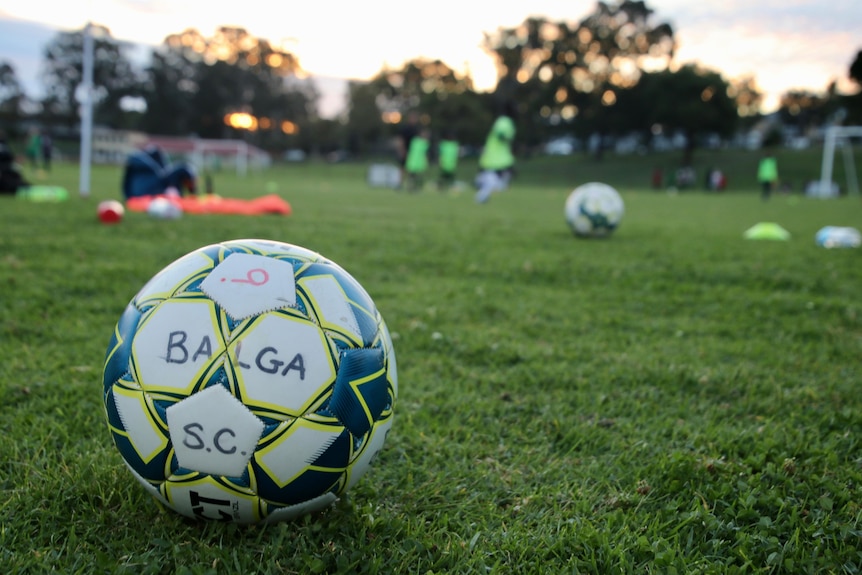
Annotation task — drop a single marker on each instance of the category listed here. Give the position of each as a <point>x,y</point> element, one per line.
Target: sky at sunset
<point>784,44</point>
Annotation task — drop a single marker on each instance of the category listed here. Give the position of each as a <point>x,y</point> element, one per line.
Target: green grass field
<point>675,399</point>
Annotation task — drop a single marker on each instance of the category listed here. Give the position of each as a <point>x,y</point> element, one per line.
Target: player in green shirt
<point>448,151</point>
<point>767,174</point>
<point>34,148</point>
<point>417,160</point>
<point>497,161</point>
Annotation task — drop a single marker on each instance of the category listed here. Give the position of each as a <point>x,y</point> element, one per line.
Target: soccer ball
<point>594,210</point>
<point>164,209</point>
<point>110,211</point>
<point>250,381</point>
<point>838,237</point>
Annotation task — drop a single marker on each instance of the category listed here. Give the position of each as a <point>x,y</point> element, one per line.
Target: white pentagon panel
<point>281,363</point>
<point>330,301</point>
<point>245,285</point>
<point>207,499</point>
<point>375,444</point>
<point>293,511</point>
<point>147,439</point>
<point>213,432</point>
<point>175,344</point>
<point>291,454</point>
<point>582,223</point>
<point>164,284</point>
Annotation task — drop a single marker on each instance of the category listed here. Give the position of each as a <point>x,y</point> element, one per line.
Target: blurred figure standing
<point>448,151</point>
<point>34,149</point>
<point>497,162</point>
<point>47,151</point>
<point>10,178</point>
<point>408,131</point>
<point>417,160</point>
<point>767,175</point>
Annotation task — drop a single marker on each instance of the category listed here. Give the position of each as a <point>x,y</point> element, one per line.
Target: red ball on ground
<point>110,211</point>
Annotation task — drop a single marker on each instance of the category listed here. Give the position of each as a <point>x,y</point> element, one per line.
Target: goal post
<point>839,136</point>
<point>204,153</point>
<point>86,157</point>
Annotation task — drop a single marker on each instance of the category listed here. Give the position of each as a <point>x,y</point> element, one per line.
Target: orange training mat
<point>269,204</point>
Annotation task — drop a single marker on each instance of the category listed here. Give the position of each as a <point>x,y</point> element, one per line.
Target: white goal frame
<point>203,152</point>
<point>839,136</point>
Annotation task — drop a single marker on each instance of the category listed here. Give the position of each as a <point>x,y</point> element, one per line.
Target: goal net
<point>838,137</point>
<point>211,155</point>
<point>114,146</point>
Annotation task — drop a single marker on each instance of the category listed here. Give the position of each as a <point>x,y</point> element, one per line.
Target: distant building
<point>114,146</point>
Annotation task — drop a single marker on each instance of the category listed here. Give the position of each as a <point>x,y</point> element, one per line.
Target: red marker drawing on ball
<point>250,277</point>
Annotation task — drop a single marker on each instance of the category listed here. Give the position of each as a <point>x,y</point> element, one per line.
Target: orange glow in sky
<point>784,44</point>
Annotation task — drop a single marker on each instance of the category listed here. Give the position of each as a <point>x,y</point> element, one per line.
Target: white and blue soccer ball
<point>164,209</point>
<point>250,381</point>
<point>838,237</point>
<point>594,210</point>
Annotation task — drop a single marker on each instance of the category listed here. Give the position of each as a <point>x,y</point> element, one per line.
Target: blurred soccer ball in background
<point>594,210</point>
<point>838,237</point>
<point>110,212</point>
<point>164,209</point>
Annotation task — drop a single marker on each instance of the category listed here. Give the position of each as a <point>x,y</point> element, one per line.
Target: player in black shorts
<point>408,131</point>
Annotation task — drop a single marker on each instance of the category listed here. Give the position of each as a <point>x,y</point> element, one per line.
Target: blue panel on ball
<point>120,347</point>
<point>214,252</point>
<point>351,287</point>
<point>359,300</point>
<point>312,483</point>
<point>152,470</point>
<point>367,325</point>
<point>300,304</point>
<point>361,392</point>
<point>337,455</point>
<point>219,377</point>
<point>194,286</point>
<point>113,416</point>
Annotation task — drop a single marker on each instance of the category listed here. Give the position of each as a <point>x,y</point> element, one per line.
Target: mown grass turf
<point>673,399</point>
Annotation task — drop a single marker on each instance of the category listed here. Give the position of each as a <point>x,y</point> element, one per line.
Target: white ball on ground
<point>594,210</point>
<point>164,209</point>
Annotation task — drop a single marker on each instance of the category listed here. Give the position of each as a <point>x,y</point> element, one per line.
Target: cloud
<point>783,43</point>
<point>22,44</point>
<point>787,44</point>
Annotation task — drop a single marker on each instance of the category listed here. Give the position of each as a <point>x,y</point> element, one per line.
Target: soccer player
<point>447,159</point>
<point>497,161</point>
<point>416,163</point>
<point>767,175</point>
<point>10,178</point>
<point>402,143</point>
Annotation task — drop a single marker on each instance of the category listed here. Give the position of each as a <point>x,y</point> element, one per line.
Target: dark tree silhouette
<point>804,109</point>
<point>194,82</point>
<point>853,102</point>
<point>580,69</point>
<point>855,72</point>
<point>11,98</point>
<point>114,77</point>
<point>693,100</point>
<point>445,99</point>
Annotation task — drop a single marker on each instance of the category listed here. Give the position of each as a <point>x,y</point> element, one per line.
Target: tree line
<point>611,73</point>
